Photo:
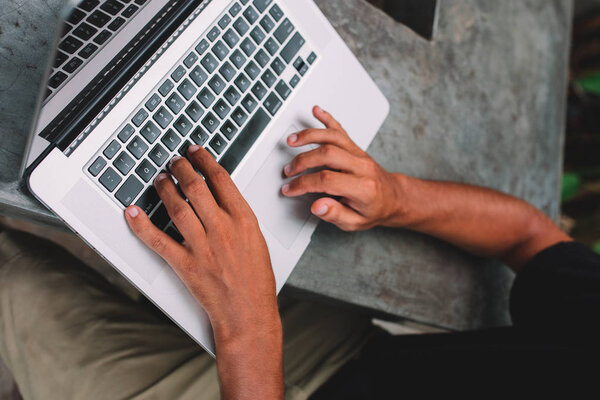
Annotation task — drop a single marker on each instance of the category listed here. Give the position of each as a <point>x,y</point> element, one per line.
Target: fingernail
<point>288,169</point>
<point>160,178</point>
<point>285,188</point>
<point>322,210</point>
<point>133,212</point>
<point>174,160</point>
<point>319,109</point>
<point>193,149</point>
<point>293,138</point>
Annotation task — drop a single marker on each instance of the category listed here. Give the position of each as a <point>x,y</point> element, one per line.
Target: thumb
<point>332,211</point>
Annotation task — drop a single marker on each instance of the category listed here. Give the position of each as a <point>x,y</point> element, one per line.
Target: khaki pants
<point>66,333</point>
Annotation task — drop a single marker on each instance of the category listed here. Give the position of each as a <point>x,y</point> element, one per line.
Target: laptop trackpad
<point>284,217</point>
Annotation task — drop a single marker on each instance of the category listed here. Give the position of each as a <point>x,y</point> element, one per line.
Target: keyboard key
<point>97,166</point>
<point>150,132</point>
<point>272,46</point>
<point>126,133</point>
<point>183,125</point>
<point>112,149</point>
<point>124,163</point>
<point>240,26</point>
<point>70,44</point>
<point>171,140</point>
<point>85,31</point>
<point>60,59</point>
<point>223,22</point>
<point>298,63</point>
<point>238,59</point>
<point>166,87</point>
<point>227,71</point>
<point>251,15</point>
<point>235,9</point>
<point>229,130</point>
<point>153,102</point>
<point>262,58</point>
<point>198,76</point>
<point>163,117</point>
<point>239,116</point>
<point>178,73</point>
<point>184,148</point>
<point>110,179</point>
<point>242,82</point>
<point>262,5</point>
<point>249,103</point>
<point>252,70</point>
<point>190,60</point>
<point>218,144</point>
<point>269,78</point>
<point>129,11</point>
<point>202,47</point>
<point>148,200</point>
<point>284,31</point>
<point>139,118</point>
<point>222,109</point>
<point>232,95</point>
<point>231,38</point>
<point>73,64</point>
<point>312,58</point>
<point>174,234</point>
<point>283,90</point>
<point>194,111</point>
<point>129,191</point>
<point>102,37</point>
<point>276,13</point>
<point>303,69</point>
<point>137,147</point>
<point>210,122</point>
<point>217,84</point>
<point>258,35</point>
<point>116,24</point>
<point>98,18</point>
<point>159,155</point>
<point>187,89</point>
<point>267,24</point>
<point>293,47</point>
<point>244,141</point>
<point>87,51</point>
<point>199,136</point>
<point>278,66</point>
<point>175,103</point>
<point>248,47</point>
<point>57,79</point>
<point>206,97</point>
<point>76,16</point>
<point>259,90</point>
<point>273,104</point>
<point>220,50</point>
<point>112,7</point>
<point>210,63</point>
<point>213,34</point>
<point>88,5</point>
<point>160,218</point>
<point>146,171</point>
<point>295,81</point>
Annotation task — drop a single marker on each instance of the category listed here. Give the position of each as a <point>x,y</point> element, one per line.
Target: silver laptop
<point>133,83</point>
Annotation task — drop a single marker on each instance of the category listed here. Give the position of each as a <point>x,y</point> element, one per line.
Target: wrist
<point>400,209</point>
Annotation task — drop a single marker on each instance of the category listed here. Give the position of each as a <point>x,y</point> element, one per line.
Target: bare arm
<point>225,264</point>
<point>481,221</point>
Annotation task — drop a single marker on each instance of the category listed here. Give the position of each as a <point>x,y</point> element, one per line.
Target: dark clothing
<point>552,345</point>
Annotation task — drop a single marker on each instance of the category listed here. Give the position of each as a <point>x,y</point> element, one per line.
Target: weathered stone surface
<point>482,103</point>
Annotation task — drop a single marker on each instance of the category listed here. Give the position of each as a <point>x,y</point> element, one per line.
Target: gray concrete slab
<point>483,103</point>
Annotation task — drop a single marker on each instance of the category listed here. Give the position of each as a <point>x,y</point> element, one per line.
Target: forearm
<point>481,221</point>
<point>251,366</point>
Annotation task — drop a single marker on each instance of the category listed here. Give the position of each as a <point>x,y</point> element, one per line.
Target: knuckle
<point>326,177</point>
<point>370,187</point>
<point>179,212</point>
<point>327,150</point>
<point>157,242</point>
<point>194,188</point>
<point>219,174</point>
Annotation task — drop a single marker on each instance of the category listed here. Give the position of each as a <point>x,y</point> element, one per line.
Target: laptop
<point>133,83</point>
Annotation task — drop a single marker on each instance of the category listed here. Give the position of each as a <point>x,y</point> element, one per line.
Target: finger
<point>325,156</point>
<point>222,187</point>
<point>179,210</point>
<point>171,251</point>
<point>338,214</point>
<point>195,189</point>
<point>330,182</point>
<point>321,136</point>
<point>326,118</point>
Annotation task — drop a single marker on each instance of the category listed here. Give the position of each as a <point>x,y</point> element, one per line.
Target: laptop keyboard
<point>222,96</point>
<point>87,29</point>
